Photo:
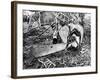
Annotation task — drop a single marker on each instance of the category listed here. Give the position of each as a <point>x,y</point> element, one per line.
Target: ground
<point>58,59</point>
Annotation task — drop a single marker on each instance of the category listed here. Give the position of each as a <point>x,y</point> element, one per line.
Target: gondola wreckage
<point>71,35</point>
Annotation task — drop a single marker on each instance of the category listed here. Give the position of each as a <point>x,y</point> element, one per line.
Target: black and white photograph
<point>56,39</point>
<point>53,39</point>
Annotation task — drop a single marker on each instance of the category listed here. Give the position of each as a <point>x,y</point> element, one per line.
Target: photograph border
<point>14,37</point>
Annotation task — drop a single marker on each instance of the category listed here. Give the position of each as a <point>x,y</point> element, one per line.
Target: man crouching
<point>76,36</point>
